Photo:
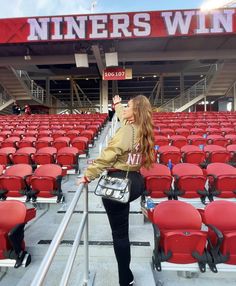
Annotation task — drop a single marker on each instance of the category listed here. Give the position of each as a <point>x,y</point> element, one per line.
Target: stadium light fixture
<point>111,59</point>
<point>81,60</point>
<point>215,4</point>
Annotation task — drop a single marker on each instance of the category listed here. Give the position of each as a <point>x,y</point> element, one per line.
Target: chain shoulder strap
<point>132,149</point>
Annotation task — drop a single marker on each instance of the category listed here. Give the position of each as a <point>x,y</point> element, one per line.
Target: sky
<point>26,8</point>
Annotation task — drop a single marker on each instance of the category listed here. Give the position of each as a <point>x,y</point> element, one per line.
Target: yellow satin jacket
<point>118,153</point>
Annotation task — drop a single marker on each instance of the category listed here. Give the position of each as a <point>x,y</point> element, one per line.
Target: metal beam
<point>125,57</point>
<point>98,58</point>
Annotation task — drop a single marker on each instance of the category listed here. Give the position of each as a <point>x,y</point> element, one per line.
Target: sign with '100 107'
<point>117,74</point>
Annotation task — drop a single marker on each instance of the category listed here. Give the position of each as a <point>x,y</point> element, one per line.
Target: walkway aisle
<point>102,261</point>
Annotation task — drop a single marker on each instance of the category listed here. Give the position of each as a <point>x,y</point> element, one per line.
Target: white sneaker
<point>132,283</point>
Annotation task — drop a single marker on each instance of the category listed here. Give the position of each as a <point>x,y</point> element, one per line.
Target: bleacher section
<point>32,141</point>
<point>38,151</point>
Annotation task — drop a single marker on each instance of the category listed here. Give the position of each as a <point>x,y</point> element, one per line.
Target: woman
<point>117,158</point>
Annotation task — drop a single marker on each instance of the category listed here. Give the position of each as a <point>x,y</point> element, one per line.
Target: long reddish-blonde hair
<point>143,119</point>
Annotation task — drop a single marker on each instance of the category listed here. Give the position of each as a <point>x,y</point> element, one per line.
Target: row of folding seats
<point>80,142</point>
<point>194,131</point>
<point>21,182</point>
<point>180,140</point>
<point>17,136</point>
<point>201,155</point>
<point>186,235</point>
<point>189,181</point>
<point>189,124</point>
<point>66,157</point>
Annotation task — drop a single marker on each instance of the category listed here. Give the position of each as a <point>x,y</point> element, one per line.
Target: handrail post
<point>86,243</point>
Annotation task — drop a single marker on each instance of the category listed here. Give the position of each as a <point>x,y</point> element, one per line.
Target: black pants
<point>118,215</point>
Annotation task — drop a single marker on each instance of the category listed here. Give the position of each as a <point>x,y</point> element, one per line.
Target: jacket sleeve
<point>119,110</point>
<point>117,146</point>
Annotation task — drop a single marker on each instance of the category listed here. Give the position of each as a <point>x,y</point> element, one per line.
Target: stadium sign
<point>117,73</point>
<point>118,26</point>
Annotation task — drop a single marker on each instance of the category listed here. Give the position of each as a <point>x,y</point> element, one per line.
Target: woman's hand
<point>82,180</point>
<point>116,99</point>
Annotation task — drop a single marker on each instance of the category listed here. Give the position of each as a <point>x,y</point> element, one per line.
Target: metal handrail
<point>110,132</point>
<point>197,89</point>
<point>36,91</point>
<point>47,260</point>
<point>4,96</point>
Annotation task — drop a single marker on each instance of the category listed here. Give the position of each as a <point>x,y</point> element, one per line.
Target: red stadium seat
<point>169,153</point>
<point>5,155</point>
<point>160,140</point>
<point>46,182</point>
<point>67,157</point>
<point>44,133</point>
<point>45,155</point>
<point>5,134</point>
<point>196,140</point>
<point>213,131</point>
<point>197,131</point>
<point>217,140</point>
<point>43,142</point>
<point>193,154</point>
<point>178,237</point>
<point>81,143</point>
<point>178,141</point>
<point>61,142</point>
<point>231,138</point>
<point>73,134</point>
<point>216,154</point>
<point>232,150</point>
<point>31,133</point>
<point>90,134</point>
<point>10,142</point>
<point>167,132</point>
<point>227,131</point>
<point>23,156</point>
<point>27,142</point>
<point>13,217</point>
<point>220,216</point>
<point>58,133</point>
<point>14,181</point>
<point>189,181</point>
<point>182,131</point>
<point>222,180</point>
<point>157,181</point>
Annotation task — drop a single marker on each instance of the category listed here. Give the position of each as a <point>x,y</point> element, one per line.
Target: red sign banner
<point>118,26</point>
<point>116,74</point>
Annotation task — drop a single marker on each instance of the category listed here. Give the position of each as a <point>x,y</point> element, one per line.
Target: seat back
<point>190,186</point>
<point>194,157</point>
<point>219,156</point>
<point>180,228</point>
<point>174,156</point>
<point>44,181</point>
<point>222,215</point>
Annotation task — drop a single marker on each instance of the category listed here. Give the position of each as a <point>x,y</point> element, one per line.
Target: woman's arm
<point>118,108</point>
